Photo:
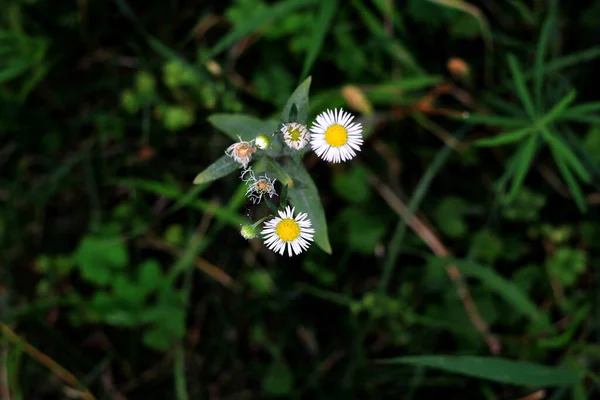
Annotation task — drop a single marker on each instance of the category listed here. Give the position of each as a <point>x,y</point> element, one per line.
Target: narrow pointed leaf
<point>581,110</point>
<point>305,197</point>
<point>496,369</point>
<point>256,21</point>
<point>559,108</point>
<point>569,179</point>
<point>560,147</point>
<point>293,117</point>
<point>220,168</point>
<point>244,126</point>
<point>327,10</point>
<point>272,206</point>
<point>284,196</point>
<point>524,161</point>
<point>507,122</point>
<point>540,54</point>
<point>519,82</point>
<point>502,287</point>
<point>300,98</point>
<point>273,168</point>
<point>504,139</point>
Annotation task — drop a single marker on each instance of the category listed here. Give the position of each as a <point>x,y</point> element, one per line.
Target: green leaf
<point>274,168</point>
<point>170,191</point>
<point>519,82</point>
<point>278,380</point>
<point>96,258</point>
<point>540,54</point>
<point>293,117</point>
<point>506,122</point>
<point>559,108</point>
<point>505,138</point>
<point>569,179</point>
<point>504,288</point>
<point>244,126</point>
<point>524,159</point>
<point>299,98</point>
<point>272,206</point>
<point>319,33</point>
<point>220,168</point>
<point>283,197</point>
<point>563,149</point>
<point>157,339</point>
<point>258,20</point>
<point>496,369</point>
<point>305,197</point>
<point>450,216</point>
<point>352,184</point>
<point>581,110</point>
<point>150,275</point>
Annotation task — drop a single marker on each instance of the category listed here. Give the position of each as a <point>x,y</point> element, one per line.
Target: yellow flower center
<point>336,135</point>
<point>295,134</point>
<point>288,230</point>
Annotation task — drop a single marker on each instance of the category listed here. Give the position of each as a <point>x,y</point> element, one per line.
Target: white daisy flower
<point>241,152</point>
<point>295,135</point>
<point>334,137</point>
<point>258,187</point>
<point>286,230</point>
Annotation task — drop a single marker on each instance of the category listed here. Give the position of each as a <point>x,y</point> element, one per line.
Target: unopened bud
<point>248,232</point>
<point>262,142</point>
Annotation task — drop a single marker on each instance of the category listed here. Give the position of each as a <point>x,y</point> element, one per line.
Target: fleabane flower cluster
<point>334,137</point>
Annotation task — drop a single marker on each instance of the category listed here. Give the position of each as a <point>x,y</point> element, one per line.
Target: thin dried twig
<point>438,248</point>
<point>211,270</point>
<point>4,391</point>
<point>48,362</point>
<point>539,395</point>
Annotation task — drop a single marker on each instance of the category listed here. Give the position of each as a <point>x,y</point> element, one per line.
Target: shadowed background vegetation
<point>464,237</point>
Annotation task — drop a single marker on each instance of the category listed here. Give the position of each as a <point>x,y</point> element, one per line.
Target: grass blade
<point>503,287</point>
<point>496,369</point>
<point>525,158</point>
<point>419,194</point>
<point>558,108</point>
<point>173,193</point>
<point>507,122</point>
<point>326,12</point>
<point>257,21</point>
<point>571,159</point>
<point>504,139</point>
<point>569,179</point>
<point>519,82</point>
<point>538,77</point>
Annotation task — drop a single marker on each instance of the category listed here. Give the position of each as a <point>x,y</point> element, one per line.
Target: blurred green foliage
<point>474,196</point>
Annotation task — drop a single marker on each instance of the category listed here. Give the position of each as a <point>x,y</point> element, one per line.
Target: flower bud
<point>248,232</point>
<point>262,142</point>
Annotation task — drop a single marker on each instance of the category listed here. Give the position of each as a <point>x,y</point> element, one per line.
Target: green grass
<point>123,270</point>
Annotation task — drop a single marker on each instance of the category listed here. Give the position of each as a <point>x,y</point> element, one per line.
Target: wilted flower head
<point>258,187</point>
<point>295,135</point>
<point>241,152</point>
